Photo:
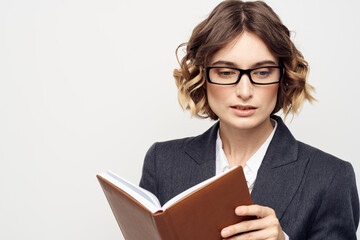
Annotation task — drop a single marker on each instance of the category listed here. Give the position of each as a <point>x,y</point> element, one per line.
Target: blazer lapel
<point>280,173</point>
<point>202,150</point>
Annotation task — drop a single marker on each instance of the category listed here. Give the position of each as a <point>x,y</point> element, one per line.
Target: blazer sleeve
<point>338,215</point>
<point>148,178</point>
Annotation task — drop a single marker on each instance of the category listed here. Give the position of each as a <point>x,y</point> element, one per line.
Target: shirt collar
<point>255,161</point>
<point>252,165</point>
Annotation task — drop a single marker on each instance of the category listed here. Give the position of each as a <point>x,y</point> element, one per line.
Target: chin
<point>245,123</point>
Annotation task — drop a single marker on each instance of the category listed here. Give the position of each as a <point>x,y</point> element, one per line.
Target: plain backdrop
<point>86,85</point>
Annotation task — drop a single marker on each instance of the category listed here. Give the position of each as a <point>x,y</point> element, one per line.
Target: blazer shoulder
<point>174,142</point>
<point>323,161</point>
<point>169,148</point>
<point>170,145</point>
<point>313,152</point>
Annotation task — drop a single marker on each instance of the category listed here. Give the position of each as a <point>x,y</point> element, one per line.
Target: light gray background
<point>86,85</point>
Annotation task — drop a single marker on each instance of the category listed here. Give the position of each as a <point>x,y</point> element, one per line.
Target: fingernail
<point>238,210</point>
<point>224,232</point>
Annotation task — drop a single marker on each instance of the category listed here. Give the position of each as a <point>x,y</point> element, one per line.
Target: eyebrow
<point>258,64</point>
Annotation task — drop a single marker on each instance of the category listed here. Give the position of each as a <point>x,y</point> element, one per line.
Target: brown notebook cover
<point>200,215</point>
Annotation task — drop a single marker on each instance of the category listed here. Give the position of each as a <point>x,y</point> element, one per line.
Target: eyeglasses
<point>229,75</point>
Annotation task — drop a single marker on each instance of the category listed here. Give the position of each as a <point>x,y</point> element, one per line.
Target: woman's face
<point>243,105</point>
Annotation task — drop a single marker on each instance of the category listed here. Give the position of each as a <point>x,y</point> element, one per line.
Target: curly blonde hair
<point>226,21</point>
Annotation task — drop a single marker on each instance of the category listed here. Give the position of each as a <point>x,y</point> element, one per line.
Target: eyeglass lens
<point>262,75</point>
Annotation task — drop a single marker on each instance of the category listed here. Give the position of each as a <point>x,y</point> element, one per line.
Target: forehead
<point>244,51</point>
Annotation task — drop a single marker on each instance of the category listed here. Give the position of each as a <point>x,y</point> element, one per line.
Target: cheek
<point>269,95</point>
<point>217,94</point>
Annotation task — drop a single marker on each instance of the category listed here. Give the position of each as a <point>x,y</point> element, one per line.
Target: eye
<point>225,72</point>
<point>262,72</point>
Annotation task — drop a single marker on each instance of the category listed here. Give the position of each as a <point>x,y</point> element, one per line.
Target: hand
<point>266,226</point>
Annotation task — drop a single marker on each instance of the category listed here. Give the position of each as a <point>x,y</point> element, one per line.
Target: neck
<point>240,144</point>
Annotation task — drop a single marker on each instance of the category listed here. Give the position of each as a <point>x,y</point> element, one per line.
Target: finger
<point>254,210</point>
<point>246,226</point>
<point>262,234</point>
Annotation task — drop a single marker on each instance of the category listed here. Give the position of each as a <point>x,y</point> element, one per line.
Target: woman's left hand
<point>266,226</point>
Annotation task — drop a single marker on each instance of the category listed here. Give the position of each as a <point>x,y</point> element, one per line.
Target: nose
<point>244,88</point>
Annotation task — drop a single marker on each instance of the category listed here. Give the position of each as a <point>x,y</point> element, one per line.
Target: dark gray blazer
<point>313,193</point>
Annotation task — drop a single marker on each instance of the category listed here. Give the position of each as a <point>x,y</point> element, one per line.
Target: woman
<point>241,68</point>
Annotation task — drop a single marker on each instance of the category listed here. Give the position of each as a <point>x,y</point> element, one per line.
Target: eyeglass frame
<point>242,72</point>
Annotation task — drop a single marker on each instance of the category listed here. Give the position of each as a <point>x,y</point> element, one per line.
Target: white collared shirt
<point>252,165</point>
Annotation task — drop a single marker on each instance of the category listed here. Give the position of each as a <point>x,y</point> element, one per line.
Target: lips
<point>243,110</point>
<point>243,107</point>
